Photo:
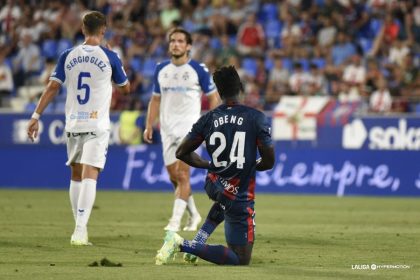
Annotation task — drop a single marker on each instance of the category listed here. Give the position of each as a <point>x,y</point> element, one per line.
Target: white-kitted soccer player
<point>178,86</point>
<point>87,71</point>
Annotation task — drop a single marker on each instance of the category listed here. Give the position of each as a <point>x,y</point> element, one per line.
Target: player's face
<point>178,46</point>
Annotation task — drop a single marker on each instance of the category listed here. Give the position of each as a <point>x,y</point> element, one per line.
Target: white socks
<point>85,203</point>
<point>192,210</point>
<point>178,210</point>
<point>74,196</point>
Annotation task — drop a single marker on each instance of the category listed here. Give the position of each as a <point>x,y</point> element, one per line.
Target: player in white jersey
<point>87,71</point>
<point>178,87</point>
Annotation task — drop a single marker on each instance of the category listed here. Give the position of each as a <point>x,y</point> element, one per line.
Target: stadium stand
<point>384,33</point>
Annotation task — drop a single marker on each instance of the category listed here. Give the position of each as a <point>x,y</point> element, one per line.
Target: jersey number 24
<point>236,152</point>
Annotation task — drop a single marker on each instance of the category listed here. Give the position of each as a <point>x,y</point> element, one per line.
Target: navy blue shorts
<point>240,223</point>
<point>239,216</point>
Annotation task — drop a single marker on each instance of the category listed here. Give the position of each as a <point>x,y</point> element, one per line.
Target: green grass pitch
<point>297,237</point>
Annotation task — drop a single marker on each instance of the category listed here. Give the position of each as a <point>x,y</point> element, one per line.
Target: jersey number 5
<point>236,153</point>
<point>83,86</point>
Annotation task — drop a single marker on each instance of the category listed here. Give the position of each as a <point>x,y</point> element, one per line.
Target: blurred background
<point>339,80</point>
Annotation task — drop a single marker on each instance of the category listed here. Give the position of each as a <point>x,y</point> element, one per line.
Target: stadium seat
<point>272,29</point>
<point>268,63</point>
<point>63,44</point>
<point>250,66</point>
<point>287,64</point>
<point>149,67</point>
<point>375,26</point>
<point>319,62</point>
<point>366,44</point>
<point>305,64</point>
<point>215,43</point>
<point>136,64</point>
<point>49,48</point>
<point>268,12</point>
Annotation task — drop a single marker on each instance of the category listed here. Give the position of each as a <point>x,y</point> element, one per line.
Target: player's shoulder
<point>162,64</point>
<point>110,53</point>
<point>198,66</point>
<point>64,54</point>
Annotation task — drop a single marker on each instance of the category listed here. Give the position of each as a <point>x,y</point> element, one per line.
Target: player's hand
<point>148,135</point>
<point>33,128</point>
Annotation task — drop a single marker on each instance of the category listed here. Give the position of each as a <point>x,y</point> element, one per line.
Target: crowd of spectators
<point>354,50</point>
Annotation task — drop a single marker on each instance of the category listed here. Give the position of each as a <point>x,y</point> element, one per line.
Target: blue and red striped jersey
<point>232,134</point>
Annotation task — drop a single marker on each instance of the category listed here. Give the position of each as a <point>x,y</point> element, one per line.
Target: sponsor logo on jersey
<point>93,115</point>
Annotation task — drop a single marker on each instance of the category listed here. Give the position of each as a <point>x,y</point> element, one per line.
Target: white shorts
<point>169,145</point>
<point>88,148</point>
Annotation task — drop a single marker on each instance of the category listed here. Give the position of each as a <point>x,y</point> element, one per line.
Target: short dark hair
<point>187,34</point>
<point>93,21</point>
<point>227,81</point>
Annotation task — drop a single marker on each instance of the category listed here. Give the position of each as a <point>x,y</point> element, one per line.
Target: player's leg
<point>74,151</point>
<point>240,230</point>
<point>243,252</point>
<point>174,243</point>
<point>75,185</point>
<point>93,160</point>
<point>194,218</point>
<point>180,202</point>
<point>214,218</point>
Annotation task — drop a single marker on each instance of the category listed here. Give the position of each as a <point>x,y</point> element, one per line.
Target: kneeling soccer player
<point>232,133</point>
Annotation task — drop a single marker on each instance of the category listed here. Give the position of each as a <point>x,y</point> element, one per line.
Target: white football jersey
<point>180,89</point>
<point>87,72</point>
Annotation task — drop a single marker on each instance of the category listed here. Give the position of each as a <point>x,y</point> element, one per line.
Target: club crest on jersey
<point>93,115</point>
<point>185,76</point>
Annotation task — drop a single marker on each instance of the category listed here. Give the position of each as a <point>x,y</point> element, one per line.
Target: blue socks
<point>217,254</point>
<point>214,218</point>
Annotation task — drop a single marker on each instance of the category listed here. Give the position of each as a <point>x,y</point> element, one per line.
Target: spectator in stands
<point>318,85</point>
<point>219,18</point>
<point>373,74</point>
<point>342,49</point>
<point>225,52</point>
<point>251,37</point>
<point>380,100</point>
<point>345,94</point>
<point>169,14</point>
<point>131,123</point>
<point>277,84</point>
<point>299,81</point>
<point>9,16</point>
<point>6,80</point>
<point>327,33</point>
<point>354,75</point>
<point>291,33</point>
<point>398,52</point>
<point>27,62</point>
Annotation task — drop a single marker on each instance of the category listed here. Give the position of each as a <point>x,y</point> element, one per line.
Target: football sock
<point>178,210</point>
<point>191,208</point>
<point>214,218</point>
<point>85,203</point>
<point>74,191</point>
<point>217,254</point>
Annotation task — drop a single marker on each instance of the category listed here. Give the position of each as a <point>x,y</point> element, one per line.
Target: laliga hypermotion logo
<point>401,137</point>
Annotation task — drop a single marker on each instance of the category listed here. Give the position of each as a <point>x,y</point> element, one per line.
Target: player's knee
<point>182,176</point>
<point>244,259</point>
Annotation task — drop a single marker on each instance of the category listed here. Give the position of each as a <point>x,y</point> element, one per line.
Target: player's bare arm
<point>152,114</point>
<point>214,100</point>
<point>125,89</point>
<point>47,96</point>
<point>185,152</point>
<point>266,161</point>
